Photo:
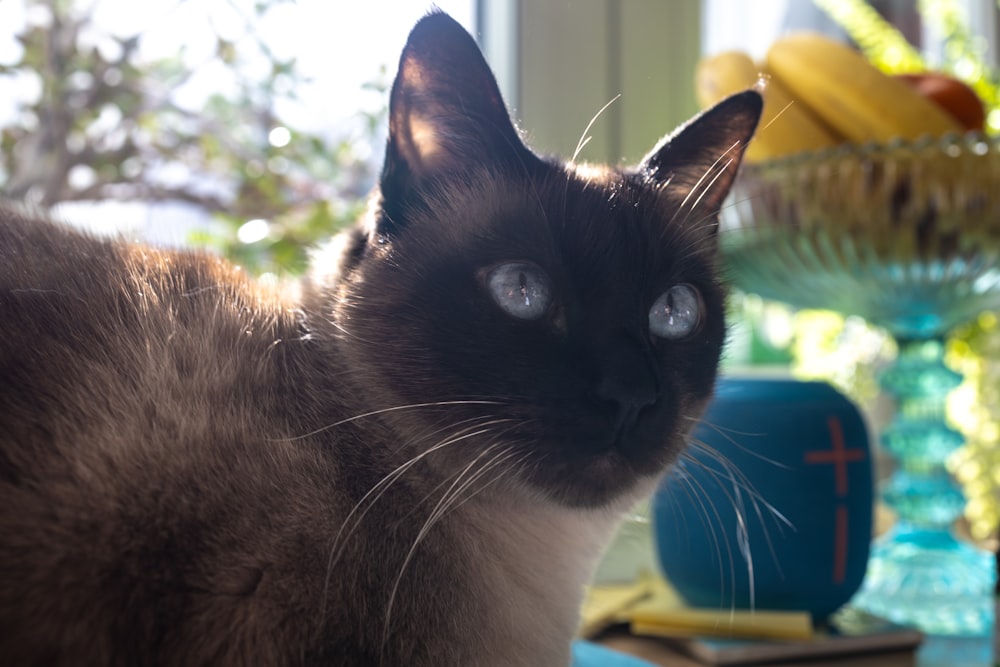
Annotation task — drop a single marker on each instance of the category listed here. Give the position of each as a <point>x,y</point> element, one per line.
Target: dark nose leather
<point>627,384</point>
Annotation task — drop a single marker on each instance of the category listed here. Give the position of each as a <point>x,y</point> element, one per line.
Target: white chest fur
<point>535,560</point>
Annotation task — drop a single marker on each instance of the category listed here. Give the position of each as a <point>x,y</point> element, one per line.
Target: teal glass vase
<point>906,236</point>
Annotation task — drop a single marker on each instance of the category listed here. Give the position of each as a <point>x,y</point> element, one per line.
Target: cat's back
<point>77,305</point>
<point>94,329</point>
<point>136,386</point>
<point>69,319</point>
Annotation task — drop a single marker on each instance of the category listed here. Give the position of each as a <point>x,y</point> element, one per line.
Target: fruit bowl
<point>906,235</point>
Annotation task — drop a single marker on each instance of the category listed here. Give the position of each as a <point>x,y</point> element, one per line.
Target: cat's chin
<point>603,478</point>
<point>598,470</point>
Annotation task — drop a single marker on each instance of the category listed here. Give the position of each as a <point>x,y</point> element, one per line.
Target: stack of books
<point>650,608</point>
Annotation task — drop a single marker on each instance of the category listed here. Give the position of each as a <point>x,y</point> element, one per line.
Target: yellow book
<point>664,614</point>
<point>652,607</point>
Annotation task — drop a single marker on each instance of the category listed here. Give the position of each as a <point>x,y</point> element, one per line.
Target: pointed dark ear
<point>701,158</point>
<point>445,111</point>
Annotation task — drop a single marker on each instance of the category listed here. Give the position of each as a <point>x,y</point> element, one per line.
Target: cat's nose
<point>627,384</point>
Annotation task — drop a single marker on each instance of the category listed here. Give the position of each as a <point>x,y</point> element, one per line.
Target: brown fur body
<point>381,468</point>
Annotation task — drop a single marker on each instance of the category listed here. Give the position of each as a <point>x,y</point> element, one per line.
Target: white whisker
<point>701,180</point>
<point>739,478</point>
<point>397,408</point>
<point>708,510</point>
<point>737,489</point>
<point>584,139</point>
<point>448,502</point>
<point>707,188</point>
<point>373,494</point>
<point>728,434</point>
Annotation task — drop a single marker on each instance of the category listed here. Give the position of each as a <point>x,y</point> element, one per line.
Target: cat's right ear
<point>446,115</point>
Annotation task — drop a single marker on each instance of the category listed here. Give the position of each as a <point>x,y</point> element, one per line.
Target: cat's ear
<point>701,158</point>
<point>445,111</point>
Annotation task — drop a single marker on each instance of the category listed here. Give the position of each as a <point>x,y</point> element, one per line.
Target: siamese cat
<point>414,456</point>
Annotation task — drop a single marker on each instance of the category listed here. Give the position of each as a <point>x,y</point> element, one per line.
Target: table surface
<point>934,652</point>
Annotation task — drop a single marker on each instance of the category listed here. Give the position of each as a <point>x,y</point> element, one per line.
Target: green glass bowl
<point>906,234</point>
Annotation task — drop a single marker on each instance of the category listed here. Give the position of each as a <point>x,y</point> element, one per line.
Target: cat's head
<point>568,320</point>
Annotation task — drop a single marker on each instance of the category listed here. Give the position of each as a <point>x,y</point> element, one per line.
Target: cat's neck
<point>536,557</point>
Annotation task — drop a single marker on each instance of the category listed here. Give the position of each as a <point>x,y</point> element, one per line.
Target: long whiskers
<point>708,187</point>
<point>711,519</point>
<point>705,182</point>
<point>741,483</point>
<point>444,482</point>
<point>745,499</point>
<point>367,501</point>
<point>728,434</point>
<point>729,203</point>
<point>382,411</point>
<point>450,500</point>
<point>584,138</point>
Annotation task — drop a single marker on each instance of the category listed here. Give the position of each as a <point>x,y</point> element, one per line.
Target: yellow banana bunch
<point>723,74</point>
<point>785,127</point>
<point>818,93</point>
<point>850,94</point>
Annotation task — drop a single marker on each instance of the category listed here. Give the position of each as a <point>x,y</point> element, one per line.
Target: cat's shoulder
<point>75,305</point>
<point>47,266</point>
<point>33,245</point>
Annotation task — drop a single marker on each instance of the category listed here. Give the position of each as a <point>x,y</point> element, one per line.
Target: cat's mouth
<point>593,464</point>
<point>597,481</point>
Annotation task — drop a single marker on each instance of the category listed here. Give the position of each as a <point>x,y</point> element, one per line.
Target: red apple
<point>954,96</point>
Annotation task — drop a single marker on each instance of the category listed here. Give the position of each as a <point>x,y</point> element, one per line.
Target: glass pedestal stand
<point>919,573</point>
<point>906,236</point>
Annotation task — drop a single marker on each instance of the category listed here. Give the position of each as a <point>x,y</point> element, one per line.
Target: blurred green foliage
<point>110,124</point>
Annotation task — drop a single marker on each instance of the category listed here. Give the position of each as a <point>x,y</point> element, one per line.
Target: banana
<point>718,76</point>
<point>785,127</point>
<point>850,94</point>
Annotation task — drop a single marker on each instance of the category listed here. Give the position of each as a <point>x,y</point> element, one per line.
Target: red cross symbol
<point>839,455</point>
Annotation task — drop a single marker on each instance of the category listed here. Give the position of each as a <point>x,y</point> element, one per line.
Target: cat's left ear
<point>701,158</point>
<point>446,114</point>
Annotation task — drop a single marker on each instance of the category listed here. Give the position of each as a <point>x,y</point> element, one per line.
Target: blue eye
<point>521,289</point>
<point>677,313</point>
